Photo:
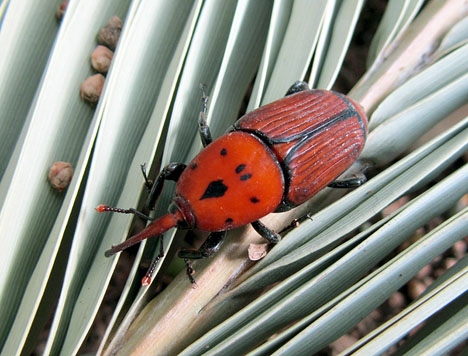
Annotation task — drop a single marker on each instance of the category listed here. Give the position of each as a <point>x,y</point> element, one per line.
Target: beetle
<point>271,160</point>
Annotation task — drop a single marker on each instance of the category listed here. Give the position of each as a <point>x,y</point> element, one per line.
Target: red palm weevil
<point>271,160</point>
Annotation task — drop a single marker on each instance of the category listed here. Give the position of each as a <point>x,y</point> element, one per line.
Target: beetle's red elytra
<point>315,135</point>
<point>272,159</point>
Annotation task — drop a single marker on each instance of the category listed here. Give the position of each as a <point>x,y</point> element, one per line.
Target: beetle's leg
<point>171,172</point>
<point>265,232</point>
<point>209,247</point>
<point>203,128</point>
<point>190,271</point>
<point>296,222</point>
<point>297,87</point>
<point>351,182</point>
<point>148,183</point>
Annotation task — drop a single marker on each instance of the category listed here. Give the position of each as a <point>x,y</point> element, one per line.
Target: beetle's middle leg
<point>271,236</point>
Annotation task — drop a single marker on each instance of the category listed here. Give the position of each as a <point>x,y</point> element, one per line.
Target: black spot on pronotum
<point>254,200</point>
<point>223,152</point>
<point>240,168</point>
<point>246,176</point>
<point>228,221</point>
<point>215,189</point>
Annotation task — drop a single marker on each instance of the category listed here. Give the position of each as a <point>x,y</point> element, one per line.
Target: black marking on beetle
<point>194,165</point>
<point>228,221</point>
<point>240,168</point>
<point>246,176</point>
<point>254,200</point>
<point>215,189</point>
<point>223,152</point>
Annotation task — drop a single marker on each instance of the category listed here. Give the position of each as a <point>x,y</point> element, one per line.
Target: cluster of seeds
<point>61,173</point>
<point>101,59</point>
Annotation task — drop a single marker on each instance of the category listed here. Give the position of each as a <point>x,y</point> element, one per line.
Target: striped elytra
<point>315,134</point>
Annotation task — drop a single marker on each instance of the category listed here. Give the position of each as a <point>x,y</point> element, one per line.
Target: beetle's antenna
<point>108,209</point>
<point>146,280</point>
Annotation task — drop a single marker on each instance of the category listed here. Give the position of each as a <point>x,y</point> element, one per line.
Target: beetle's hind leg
<point>351,182</point>
<point>297,87</point>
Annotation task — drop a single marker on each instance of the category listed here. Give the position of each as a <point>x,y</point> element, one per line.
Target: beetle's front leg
<point>171,172</point>
<point>203,128</point>
<point>209,247</point>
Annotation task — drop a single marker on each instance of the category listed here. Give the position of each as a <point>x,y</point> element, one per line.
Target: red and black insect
<point>272,159</point>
